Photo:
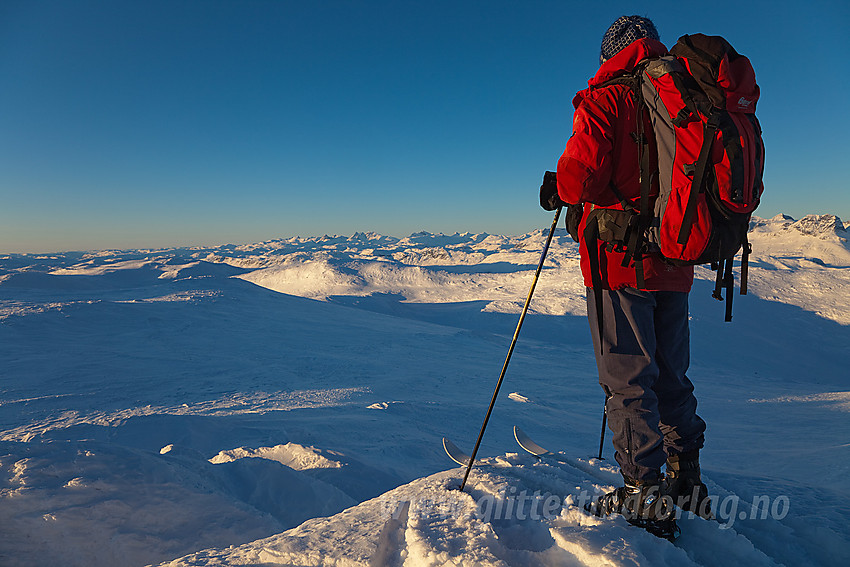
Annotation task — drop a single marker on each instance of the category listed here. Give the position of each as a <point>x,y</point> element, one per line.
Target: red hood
<point>624,62</point>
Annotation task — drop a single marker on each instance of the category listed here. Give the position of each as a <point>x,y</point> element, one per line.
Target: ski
<point>529,445</point>
<point>455,453</point>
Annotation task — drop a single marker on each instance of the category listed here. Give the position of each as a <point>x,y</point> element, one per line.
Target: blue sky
<point>175,122</point>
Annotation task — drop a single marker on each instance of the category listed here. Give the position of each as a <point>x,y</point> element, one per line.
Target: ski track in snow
<point>217,406</point>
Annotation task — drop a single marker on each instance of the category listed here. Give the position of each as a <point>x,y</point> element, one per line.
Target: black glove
<point>549,199</point>
<point>574,214</point>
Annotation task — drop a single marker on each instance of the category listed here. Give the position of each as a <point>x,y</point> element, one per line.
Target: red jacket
<point>602,150</point>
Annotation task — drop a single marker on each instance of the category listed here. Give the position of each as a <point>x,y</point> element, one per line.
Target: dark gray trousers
<point>642,363</point>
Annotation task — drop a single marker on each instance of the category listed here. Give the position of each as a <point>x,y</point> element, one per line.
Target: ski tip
<point>454,453</point>
<point>517,433</point>
<point>528,444</point>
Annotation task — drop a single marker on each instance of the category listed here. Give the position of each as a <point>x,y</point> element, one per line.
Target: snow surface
<point>283,403</point>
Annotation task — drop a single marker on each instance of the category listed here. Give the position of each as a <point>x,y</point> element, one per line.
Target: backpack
<point>701,102</point>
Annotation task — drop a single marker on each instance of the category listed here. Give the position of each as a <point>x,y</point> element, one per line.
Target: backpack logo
<point>744,102</point>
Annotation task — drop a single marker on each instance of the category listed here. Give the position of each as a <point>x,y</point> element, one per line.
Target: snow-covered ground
<point>284,402</point>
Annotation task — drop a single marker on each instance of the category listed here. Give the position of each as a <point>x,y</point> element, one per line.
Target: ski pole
<point>511,349</point>
<point>604,423</point>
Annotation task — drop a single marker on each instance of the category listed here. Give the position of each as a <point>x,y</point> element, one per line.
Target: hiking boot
<point>641,503</point>
<point>684,486</point>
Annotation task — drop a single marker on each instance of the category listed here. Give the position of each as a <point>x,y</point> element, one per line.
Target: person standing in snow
<point>642,349</point>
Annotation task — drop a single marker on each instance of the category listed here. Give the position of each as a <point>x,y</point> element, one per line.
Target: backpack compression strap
<point>698,182</point>
<point>727,280</point>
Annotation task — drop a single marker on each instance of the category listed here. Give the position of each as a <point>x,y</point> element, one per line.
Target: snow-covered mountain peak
<point>818,225</point>
<point>823,226</point>
<point>367,236</point>
<point>782,217</point>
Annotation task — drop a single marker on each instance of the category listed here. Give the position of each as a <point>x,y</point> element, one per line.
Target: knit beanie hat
<point>623,32</point>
